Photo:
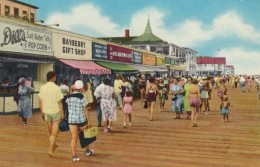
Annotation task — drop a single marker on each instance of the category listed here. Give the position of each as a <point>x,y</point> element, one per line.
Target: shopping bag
<point>91,132</point>
<point>64,126</point>
<point>84,142</point>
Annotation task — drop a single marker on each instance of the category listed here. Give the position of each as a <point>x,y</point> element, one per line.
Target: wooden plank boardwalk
<point>164,142</point>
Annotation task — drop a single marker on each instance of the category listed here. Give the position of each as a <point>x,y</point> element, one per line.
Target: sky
<point>219,28</point>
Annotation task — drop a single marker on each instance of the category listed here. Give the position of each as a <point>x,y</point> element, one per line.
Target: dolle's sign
<point>16,38</point>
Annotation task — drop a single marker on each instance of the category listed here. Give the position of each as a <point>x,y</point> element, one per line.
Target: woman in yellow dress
<point>88,94</point>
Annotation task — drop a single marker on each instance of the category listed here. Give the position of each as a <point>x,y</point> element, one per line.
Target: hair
<point>65,81</point>
<point>50,75</point>
<point>195,81</point>
<point>128,93</point>
<point>107,81</point>
<point>151,79</point>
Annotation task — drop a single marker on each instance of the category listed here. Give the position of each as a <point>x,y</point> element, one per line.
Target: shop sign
<point>160,61</point>
<point>69,46</point>
<point>18,38</point>
<point>116,53</point>
<point>137,57</point>
<point>148,59</point>
<point>22,65</point>
<point>99,51</point>
<point>167,60</point>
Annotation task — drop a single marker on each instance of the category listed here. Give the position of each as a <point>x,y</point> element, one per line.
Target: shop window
<point>7,10</point>
<point>166,50</point>
<point>16,12</point>
<point>152,49</point>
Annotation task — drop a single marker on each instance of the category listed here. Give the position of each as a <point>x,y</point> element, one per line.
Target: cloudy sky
<point>229,28</point>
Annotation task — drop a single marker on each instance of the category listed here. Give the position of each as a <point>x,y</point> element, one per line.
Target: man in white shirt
<point>117,88</point>
<point>242,81</point>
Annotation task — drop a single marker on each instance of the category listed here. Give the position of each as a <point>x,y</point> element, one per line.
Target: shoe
<point>89,152</point>
<point>206,113</point>
<point>75,158</point>
<point>194,125</point>
<point>130,124</point>
<point>109,129</point>
<point>105,130</point>
<point>24,123</point>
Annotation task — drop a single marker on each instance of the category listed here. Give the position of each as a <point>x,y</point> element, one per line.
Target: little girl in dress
<point>127,102</point>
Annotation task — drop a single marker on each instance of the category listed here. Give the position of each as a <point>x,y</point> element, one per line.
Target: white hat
<point>79,84</point>
<point>21,80</point>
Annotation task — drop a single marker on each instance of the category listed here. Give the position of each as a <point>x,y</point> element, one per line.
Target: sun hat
<point>79,84</point>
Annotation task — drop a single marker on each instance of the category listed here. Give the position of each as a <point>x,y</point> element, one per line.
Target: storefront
<point>178,70</point>
<point>25,51</point>
<point>74,53</point>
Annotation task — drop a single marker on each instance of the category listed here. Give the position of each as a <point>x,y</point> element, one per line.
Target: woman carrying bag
<point>78,118</point>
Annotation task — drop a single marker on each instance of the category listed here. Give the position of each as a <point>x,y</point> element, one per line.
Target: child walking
<point>224,107</point>
<point>127,102</point>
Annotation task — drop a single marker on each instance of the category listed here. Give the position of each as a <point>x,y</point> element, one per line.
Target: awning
<point>178,67</point>
<point>158,68</point>
<point>86,67</point>
<point>141,68</point>
<point>117,67</point>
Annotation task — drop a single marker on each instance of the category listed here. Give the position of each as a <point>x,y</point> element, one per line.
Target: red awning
<point>86,67</point>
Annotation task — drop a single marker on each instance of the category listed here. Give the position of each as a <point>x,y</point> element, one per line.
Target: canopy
<point>117,67</point>
<point>141,68</point>
<point>86,67</point>
<point>158,68</point>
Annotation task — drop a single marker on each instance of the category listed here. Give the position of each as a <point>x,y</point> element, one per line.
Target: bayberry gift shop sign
<point>24,39</point>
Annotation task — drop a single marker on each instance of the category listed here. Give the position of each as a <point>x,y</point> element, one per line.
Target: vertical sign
<point>148,59</point>
<point>99,51</point>
<point>137,57</point>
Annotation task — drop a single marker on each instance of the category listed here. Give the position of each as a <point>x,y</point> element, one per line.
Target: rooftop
<point>26,4</point>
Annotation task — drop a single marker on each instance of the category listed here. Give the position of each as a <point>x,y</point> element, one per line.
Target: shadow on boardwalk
<point>164,142</point>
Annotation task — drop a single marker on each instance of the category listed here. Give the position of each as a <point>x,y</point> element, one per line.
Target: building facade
<point>211,65</point>
<point>184,58</point>
<point>17,9</point>
<point>230,70</point>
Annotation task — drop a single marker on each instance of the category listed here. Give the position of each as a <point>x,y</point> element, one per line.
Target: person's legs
<point>192,115</point>
<point>99,114</point>
<point>74,139</point>
<point>125,118</point>
<point>130,119</point>
<point>54,130</point>
<point>119,99</point>
<point>152,109</point>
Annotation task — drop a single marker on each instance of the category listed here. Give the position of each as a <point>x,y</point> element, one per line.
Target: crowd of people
<point>189,95</point>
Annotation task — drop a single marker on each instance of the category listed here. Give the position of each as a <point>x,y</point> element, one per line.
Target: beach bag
<point>91,132</point>
<point>64,126</point>
<point>84,142</point>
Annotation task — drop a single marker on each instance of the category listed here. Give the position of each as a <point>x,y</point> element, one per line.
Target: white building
<point>211,65</point>
<point>230,70</point>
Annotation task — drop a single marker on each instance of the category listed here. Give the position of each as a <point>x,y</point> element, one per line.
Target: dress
<point>105,92</point>
<point>24,104</point>
<point>162,93</point>
<point>88,94</point>
<point>187,87</point>
<point>128,106</point>
<point>178,99</point>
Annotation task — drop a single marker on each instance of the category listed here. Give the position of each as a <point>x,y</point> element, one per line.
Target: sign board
<point>167,60</point>
<point>148,59</point>
<point>69,46</point>
<point>160,61</point>
<point>137,57</point>
<point>24,39</point>
<point>116,53</point>
<point>99,51</point>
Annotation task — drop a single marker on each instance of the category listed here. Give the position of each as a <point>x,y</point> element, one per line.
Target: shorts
<point>79,124</point>
<point>52,117</point>
<point>194,102</point>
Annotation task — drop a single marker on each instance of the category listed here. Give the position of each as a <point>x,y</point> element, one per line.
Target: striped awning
<point>86,67</point>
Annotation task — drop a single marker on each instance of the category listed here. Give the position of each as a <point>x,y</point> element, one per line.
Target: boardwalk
<point>164,142</point>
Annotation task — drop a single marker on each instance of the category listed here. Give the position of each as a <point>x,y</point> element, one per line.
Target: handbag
<point>84,142</point>
<point>64,126</point>
<point>90,132</point>
<point>145,104</point>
